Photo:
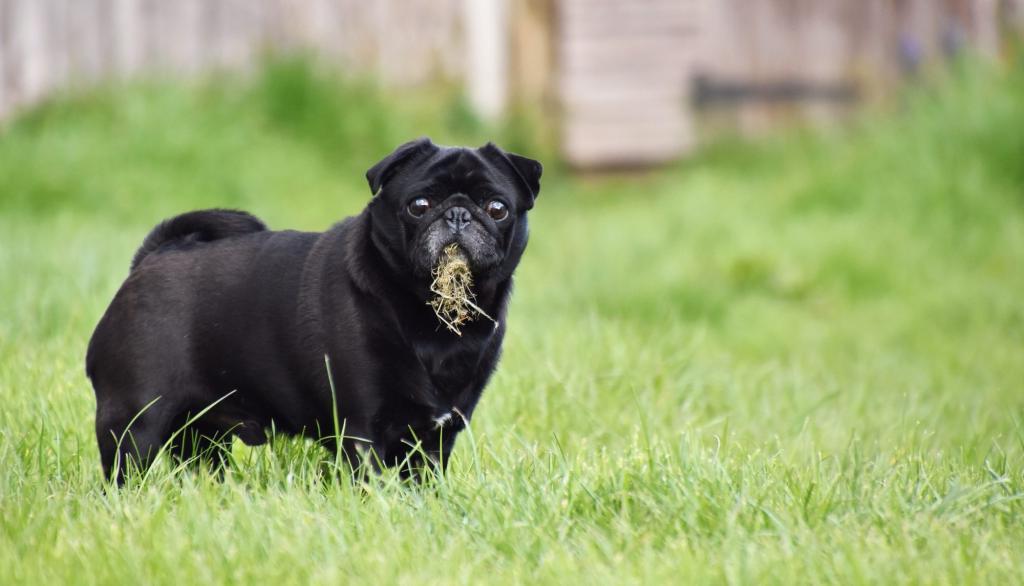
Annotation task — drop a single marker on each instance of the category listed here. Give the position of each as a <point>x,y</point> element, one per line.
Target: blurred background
<point>613,83</point>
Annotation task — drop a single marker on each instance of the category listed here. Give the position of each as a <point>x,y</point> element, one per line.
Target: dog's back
<point>198,226</point>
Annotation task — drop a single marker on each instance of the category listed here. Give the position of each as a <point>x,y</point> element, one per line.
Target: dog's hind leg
<point>128,442</point>
<point>197,444</point>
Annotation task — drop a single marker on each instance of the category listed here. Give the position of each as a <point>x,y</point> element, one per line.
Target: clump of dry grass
<point>454,302</point>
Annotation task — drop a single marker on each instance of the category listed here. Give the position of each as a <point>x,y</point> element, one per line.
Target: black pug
<point>220,311</point>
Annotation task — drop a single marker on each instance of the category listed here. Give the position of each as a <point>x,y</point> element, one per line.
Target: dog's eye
<point>419,206</point>
<point>497,210</point>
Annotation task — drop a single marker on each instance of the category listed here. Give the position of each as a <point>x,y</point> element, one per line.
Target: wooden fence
<point>641,81</point>
<point>47,44</point>
<point>829,51</point>
<point>634,81</point>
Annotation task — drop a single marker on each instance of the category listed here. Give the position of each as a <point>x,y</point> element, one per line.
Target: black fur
<point>202,226</point>
<point>220,311</point>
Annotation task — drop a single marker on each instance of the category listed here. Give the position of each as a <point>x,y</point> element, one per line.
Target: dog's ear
<point>378,174</point>
<point>527,171</point>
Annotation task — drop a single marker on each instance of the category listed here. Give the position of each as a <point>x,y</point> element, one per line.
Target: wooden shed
<point>623,73</point>
<point>639,82</point>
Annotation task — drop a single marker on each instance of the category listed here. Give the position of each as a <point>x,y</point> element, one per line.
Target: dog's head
<point>428,196</point>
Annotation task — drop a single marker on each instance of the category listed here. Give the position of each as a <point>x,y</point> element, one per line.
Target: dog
<point>224,328</point>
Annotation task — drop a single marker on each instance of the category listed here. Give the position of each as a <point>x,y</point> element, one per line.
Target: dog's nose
<point>458,218</point>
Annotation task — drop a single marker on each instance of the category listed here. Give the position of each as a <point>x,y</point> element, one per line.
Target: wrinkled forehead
<point>461,170</point>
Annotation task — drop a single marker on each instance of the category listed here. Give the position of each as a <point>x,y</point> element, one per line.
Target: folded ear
<point>529,170</point>
<point>378,174</point>
<point>526,170</point>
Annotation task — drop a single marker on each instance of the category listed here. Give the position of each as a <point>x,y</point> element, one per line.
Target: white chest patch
<point>442,420</point>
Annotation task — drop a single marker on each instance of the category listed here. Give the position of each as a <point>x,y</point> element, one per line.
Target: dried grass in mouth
<point>454,302</point>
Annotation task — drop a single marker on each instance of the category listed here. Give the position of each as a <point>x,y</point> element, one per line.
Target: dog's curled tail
<point>198,226</point>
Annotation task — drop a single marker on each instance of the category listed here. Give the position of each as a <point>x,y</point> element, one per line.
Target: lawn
<point>800,360</point>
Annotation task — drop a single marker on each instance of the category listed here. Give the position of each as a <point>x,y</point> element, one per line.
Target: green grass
<point>798,361</point>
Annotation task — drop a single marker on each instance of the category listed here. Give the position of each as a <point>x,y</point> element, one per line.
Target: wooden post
<point>486,28</point>
<point>986,27</point>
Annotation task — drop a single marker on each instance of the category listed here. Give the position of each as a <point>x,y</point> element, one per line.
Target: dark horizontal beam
<point>710,92</point>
